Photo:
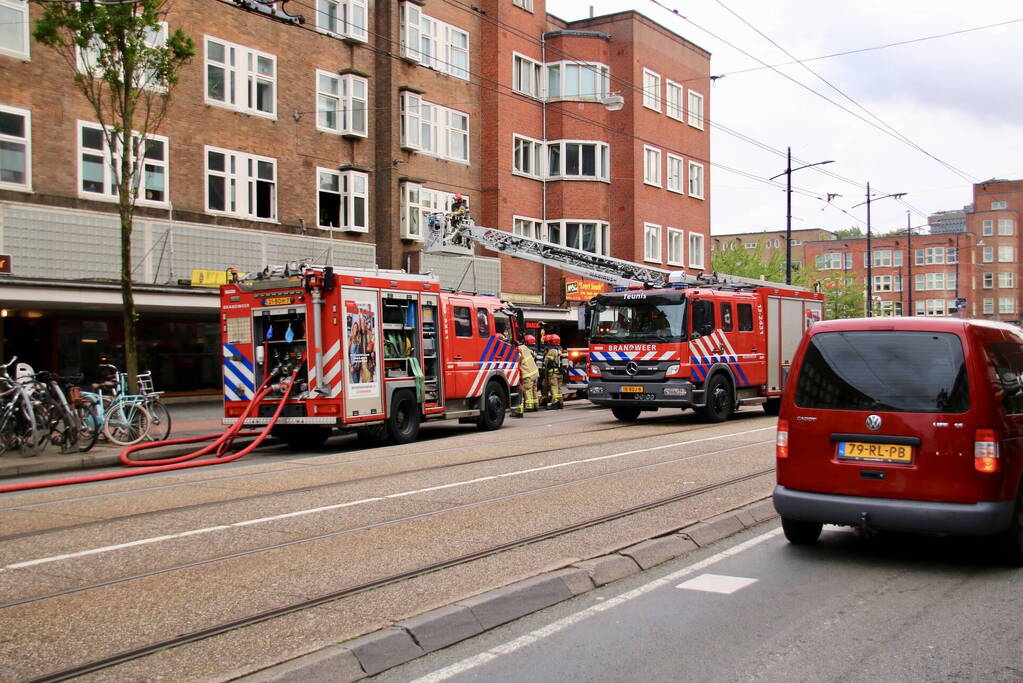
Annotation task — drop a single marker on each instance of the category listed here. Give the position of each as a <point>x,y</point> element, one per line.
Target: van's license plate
<point>886,452</point>
<point>632,390</point>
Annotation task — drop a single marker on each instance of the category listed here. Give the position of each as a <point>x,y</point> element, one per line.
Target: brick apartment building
<point>970,254</point>
<point>771,242</point>
<point>329,131</point>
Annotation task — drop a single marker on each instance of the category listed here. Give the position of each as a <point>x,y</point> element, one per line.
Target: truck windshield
<point>638,321</point>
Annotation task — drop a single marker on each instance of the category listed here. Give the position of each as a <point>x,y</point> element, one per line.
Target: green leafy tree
<point>756,264</point>
<point>849,232</point>
<point>844,294</point>
<point>126,67</point>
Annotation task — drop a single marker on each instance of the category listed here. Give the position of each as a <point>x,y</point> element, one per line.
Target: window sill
<point>650,184</point>
<point>652,260</point>
<point>412,238</point>
<point>331,229</point>
<point>354,136</point>
<point>110,199</point>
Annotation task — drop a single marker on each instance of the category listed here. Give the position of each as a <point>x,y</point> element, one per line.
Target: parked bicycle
<point>68,425</point>
<point>18,427</point>
<point>123,418</point>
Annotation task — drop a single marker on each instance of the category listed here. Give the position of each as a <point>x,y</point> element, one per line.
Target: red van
<point>904,424</point>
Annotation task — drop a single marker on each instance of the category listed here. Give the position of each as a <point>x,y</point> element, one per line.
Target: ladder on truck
<point>456,233</point>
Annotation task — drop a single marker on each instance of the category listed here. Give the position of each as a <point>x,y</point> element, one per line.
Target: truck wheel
<point>772,406</point>
<point>719,400</point>
<point>1009,543</point>
<point>626,414</point>
<point>493,406</point>
<point>403,420</point>
<point>304,438</point>
<point>799,532</point>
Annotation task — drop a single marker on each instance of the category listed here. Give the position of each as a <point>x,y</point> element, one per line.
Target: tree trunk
<point>131,361</point>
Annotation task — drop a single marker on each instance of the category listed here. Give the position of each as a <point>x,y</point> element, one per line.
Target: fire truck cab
<point>378,351</point>
<point>706,347</point>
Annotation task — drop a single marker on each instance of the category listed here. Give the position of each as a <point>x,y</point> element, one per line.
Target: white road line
<point>716,583</point>
<point>337,506</point>
<point>573,619</point>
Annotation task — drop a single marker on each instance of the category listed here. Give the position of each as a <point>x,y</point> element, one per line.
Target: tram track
<point>153,514</point>
<point>108,662</point>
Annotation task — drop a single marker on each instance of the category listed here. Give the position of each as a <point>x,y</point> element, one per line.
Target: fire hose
<point>220,442</point>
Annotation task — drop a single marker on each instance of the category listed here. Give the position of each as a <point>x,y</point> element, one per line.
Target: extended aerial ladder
<point>456,233</point>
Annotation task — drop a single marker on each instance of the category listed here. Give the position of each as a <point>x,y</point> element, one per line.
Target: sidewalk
<point>187,419</point>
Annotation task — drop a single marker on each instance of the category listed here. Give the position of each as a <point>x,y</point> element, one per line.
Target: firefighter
<point>552,368</point>
<point>530,373</point>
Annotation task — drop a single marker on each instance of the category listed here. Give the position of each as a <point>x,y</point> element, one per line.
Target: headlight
<point>672,369</point>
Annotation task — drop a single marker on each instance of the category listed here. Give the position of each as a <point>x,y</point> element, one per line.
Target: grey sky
<point>957,97</point>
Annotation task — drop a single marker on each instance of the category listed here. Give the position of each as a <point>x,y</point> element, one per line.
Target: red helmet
<point>530,340</point>
<point>553,340</point>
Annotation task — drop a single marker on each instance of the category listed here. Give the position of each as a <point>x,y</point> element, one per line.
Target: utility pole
<point>788,209</point>
<point>912,257</point>
<point>870,253</point>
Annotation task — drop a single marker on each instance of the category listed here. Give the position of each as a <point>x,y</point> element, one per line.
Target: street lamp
<point>788,209</point>
<point>870,253</point>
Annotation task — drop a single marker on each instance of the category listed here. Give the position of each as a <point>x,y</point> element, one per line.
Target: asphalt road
<point>754,608</point>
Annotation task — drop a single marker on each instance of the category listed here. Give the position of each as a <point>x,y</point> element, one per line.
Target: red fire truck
<point>665,339</point>
<point>378,351</point>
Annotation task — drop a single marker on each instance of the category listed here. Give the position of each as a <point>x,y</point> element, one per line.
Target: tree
<point>849,232</point>
<point>843,294</point>
<point>126,66</point>
<point>753,263</point>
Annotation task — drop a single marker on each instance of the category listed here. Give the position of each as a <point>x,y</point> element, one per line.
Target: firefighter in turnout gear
<point>530,374</point>
<point>552,368</point>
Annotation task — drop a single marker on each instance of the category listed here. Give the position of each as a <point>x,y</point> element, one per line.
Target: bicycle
<point>18,428</point>
<point>160,425</point>
<point>122,418</point>
<point>70,428</point>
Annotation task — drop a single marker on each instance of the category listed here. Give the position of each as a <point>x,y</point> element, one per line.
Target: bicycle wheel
<point>64,432</point>
<point>160,425</point>
<point>126,423</point>
<point>88,427</point>
<point>31,435</point>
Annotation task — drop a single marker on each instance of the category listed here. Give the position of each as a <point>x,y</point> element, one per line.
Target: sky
<point>958,99</point>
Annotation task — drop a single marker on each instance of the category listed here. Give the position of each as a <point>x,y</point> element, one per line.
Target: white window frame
<point>987,227</point>
<point>1006,253</point>
<point>673,174</point>
<point>676,239</point>
<point>575,72</point>
<point>345,23</point>
<point>349,197</point>
<point>524,4</point>
<point>524,226</point>
<point>531,150</point>
<point>989,305</point>
<point>987,255</point>
<point>1006,226</point>
<point>602,160</point>
<point>695,244</point>
<point>87,57</point>
<point>1006,304</point>
<point>111,167</point>
<point>652,243</point>
<point>651,166</point>
<point>432,129</point>
<point>651,90</point>
<point>417,203</point>
<point>674,93</point>
<point>601,233</point>
<point>930,256</point>
<point>998,205</point>
<point>240,81</point>
<point>987,280</point>
<point>411,120</point>
<point>1007,280</point>
<point>695,183</point>
<point>241,180</point>
<point>26,141</point>
<point>434,43</point>
<point>694,110</point>
<point>346,102</point>
<point>527,69</point>
<point>18,7</point>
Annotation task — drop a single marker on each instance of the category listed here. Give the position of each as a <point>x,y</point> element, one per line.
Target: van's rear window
<point>909,372</point>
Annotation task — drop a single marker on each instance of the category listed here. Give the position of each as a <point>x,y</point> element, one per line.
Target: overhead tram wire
<point>497,88</point>
<point>843,93</point>
<point>678,14</point>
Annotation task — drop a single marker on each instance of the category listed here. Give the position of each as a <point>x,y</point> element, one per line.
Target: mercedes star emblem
<point>631,367</point>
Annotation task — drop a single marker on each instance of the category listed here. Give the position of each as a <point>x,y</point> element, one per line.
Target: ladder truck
<point>665,339</point>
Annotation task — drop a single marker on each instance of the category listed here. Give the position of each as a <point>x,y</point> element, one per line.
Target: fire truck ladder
<point>457,234</point>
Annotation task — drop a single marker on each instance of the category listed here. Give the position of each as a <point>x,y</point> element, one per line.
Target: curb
<point>407,640</point>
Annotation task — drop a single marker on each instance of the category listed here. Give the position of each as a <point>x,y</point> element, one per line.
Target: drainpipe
<point>543,157</point>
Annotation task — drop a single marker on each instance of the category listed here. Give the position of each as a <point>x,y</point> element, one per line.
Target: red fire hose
<point>221,442</point>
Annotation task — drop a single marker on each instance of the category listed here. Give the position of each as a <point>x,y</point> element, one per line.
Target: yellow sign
<point>209,278</point>
<point>278,301</point>
<point>578,289</point>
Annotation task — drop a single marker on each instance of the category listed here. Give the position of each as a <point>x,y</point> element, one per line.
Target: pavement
<point>190,418</point>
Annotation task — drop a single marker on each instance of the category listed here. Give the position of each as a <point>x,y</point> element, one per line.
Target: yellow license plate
<point>277,301</point>
<point>885,452</point>
<point>632,390</point>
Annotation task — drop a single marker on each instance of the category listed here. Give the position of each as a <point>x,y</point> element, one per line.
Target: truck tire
<point>493,407</point>
<point>772,406</point>
<point>626,414</point>
<point>303,438</point>
<point>720,401</point>
<point>403,420</point>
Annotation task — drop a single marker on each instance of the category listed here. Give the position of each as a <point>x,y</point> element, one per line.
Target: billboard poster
<point>361,344</point>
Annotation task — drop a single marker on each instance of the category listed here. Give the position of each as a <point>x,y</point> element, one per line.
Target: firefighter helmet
<point>530,340</point>
<point>553,340</point>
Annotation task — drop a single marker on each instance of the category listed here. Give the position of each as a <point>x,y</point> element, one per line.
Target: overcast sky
<point>959,98</point>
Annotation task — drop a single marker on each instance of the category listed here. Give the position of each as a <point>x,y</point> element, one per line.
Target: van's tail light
<point>782,443</point>
<point>985,451</point>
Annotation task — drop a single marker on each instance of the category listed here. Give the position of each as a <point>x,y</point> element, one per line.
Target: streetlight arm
<point>799,168</point>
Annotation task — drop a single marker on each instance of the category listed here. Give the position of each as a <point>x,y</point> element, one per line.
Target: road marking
<point>338,506</point>
<point>573,619</point>
<point>716,583</point>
